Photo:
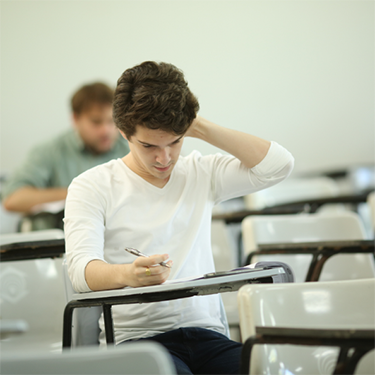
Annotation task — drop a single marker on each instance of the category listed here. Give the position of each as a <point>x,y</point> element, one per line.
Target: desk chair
<point>291,190</point>
<point>85,329</point>
<point>308,314</point>
<point>346,225</point>
<point>132,359</point>
<point>33,291</point>
<point>106,299</point>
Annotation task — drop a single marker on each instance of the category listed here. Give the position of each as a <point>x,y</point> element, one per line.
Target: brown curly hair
<point>96,93</point>
<point>154,95</point>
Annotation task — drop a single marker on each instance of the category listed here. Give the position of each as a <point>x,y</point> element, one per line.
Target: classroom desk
<point>32,250</point>
<point>309,206</point>
<point>156,293</point>
<point>320,251</point>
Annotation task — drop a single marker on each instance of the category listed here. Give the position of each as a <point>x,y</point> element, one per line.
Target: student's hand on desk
<point>148,271</point>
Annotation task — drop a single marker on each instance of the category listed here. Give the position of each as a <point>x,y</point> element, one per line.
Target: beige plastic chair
<point>324,305</point>
<point>131,359</point>
<point>274,229</point>
<point>33,291</point>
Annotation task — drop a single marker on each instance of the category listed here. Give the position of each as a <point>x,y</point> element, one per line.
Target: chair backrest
<point>224,246</point>
<point>292,190</point>
<point>33,291</point>
<point>129,359</point>
<point>346,304</point>
<point>333,226</point>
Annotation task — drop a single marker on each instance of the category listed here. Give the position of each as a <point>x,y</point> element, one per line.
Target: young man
<point>49,168</point>
<point>160,203</point>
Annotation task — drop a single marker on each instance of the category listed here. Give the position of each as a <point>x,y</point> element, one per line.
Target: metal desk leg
<point>108,323</point>
<point>246,355</point>
<point>67,326</point>
<point>346,364</point>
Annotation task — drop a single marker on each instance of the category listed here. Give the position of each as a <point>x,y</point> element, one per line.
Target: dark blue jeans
<point>200,351</point>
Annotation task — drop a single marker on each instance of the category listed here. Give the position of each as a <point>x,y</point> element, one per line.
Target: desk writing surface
<point>39,244</point>
<point>319,245</point>
<point>216,281</point>
<point>32,250</point>
<point>36,236</point>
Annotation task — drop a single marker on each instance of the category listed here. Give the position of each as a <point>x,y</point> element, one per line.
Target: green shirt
<point>55,163</point>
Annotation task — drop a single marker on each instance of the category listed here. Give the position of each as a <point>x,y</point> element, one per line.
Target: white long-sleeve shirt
<point>110,207</point>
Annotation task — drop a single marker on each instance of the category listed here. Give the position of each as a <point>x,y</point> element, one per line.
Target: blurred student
<point>50,167</point>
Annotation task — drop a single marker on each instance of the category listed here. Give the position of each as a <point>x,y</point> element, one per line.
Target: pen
<point>137,253</point>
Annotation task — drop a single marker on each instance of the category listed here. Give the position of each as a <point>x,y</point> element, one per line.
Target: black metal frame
<point>309,206</point>
<point>353,344</point>
<point>321,252</point>
<point>107,302</point>
<point>32,250</point>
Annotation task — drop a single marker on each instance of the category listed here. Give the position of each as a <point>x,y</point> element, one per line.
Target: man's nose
<point>163,157</point>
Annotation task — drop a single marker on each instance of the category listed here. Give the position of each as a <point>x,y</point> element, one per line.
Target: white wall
<point>298,72</point>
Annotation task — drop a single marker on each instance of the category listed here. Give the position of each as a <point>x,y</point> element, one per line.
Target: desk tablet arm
<point>32,250</point>
<point>307,206</point>
<point>156,293</point>
<point>321,251</point>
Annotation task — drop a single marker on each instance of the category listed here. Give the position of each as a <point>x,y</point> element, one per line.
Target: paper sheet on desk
<point>220,273</point>
<point>183,279</point>
<point>287,277</point>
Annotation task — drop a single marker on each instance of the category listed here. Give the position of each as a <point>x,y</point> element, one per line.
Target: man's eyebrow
<point>149,144</point>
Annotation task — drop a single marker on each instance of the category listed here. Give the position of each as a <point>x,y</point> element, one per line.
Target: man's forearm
<point>24,199</point>
<point>249,149</point>
<point>103,276</point>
